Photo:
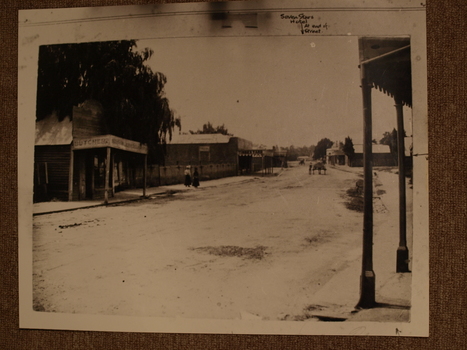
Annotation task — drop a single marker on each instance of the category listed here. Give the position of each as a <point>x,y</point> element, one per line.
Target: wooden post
<point>159,173</point>
<point>93,174</point>
<point>70,175</point>
<point>402,264</point>
<point>367,278</point>
<point>107,175</point>
<point>262,163</point>
<point>112,174</point>
<point>145,171</point>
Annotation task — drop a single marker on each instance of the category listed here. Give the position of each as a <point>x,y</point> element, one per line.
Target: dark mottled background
<point>447,79</point>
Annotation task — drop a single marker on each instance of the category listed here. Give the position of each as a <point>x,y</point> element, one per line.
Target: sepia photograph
<point>250,168</point>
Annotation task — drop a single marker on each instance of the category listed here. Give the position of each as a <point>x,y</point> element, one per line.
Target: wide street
<point>264,248</point>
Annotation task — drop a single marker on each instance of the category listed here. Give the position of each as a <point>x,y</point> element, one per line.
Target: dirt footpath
<point>258,249</point>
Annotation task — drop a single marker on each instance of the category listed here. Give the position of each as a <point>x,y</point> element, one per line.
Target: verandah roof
<point>388,66</point>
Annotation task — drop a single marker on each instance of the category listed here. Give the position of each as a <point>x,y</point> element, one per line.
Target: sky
<point>281,90</point>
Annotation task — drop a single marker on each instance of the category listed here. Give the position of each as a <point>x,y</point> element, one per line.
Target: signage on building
<point>110,141</point>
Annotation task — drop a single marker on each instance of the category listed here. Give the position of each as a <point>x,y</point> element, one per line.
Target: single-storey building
<point>382,156</point>
<point>203,149</point>
<point>214,156</point>
<point>77,160</point>
<point>335,156</point>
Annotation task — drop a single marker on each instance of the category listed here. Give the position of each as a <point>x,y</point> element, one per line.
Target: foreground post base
<point>367,291</point>
<point>402,264</point>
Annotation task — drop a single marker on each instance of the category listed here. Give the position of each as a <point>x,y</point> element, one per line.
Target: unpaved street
<point>256,249</point>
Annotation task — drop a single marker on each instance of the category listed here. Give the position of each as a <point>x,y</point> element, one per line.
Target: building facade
<point>215,156</point>
<point>382,156</point>
<point>78,160</point>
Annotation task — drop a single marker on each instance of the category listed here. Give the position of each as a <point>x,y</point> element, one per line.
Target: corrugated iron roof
<point>375,148</point>
<point>199,138</point>
<point>50,131</point>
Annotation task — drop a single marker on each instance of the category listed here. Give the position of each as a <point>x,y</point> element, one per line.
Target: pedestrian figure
<point>187,177</point>
<point>309,169</point>
<point>195,178</point>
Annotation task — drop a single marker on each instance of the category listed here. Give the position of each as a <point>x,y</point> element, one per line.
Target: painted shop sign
<point>110,141</point>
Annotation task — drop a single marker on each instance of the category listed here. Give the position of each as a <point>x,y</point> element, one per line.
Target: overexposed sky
<point>282,90</point>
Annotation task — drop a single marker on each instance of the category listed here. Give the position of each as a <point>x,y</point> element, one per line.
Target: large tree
<point>348,148</point>
<point>321,147</point>
<point>116,74</point>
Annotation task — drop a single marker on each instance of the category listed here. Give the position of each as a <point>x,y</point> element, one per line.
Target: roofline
<point>385,55</point>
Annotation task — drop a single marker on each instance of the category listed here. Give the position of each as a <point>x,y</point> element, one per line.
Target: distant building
<point>382,156</point>
<point>335,156</point>
<point>203,149</point>
<point>78,160</point>
<point>215,156</point>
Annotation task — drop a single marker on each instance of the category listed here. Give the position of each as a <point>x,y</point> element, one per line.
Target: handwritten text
<point>304,23</point>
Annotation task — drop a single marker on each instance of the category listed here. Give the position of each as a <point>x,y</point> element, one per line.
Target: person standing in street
<point>187,176</point>
<point>195,178</point>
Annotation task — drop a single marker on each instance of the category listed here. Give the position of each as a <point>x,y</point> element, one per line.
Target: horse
<point>319,166</point>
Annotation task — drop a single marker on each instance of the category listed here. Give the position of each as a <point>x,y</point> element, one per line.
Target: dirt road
<point>258,249</point>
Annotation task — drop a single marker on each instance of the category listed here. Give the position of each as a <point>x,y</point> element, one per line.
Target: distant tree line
<point>294,152</point>
<point>208,128</point>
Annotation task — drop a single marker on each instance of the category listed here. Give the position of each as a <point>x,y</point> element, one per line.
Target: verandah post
<point>402,264</point>
<point>367,278</point>
<point>107,177</point>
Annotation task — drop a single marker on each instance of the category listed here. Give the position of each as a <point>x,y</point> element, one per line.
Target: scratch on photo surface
<point>283,198</point>
<point>160,241</point>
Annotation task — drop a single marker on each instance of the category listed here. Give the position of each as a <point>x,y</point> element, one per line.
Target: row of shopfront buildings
<point>77,160</point>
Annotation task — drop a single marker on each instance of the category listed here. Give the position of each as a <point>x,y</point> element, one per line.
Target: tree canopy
<point>321,147</point>
<point>115,74</point>
<point>348,148</point>
<point>390,139</point>
<point>210,129</point>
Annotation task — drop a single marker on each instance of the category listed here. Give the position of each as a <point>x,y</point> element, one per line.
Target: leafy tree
<point>210,129</point>
<point>115,74</point>
<point>390,139</point>
<point>348,148</point>
<point>321,147</point>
